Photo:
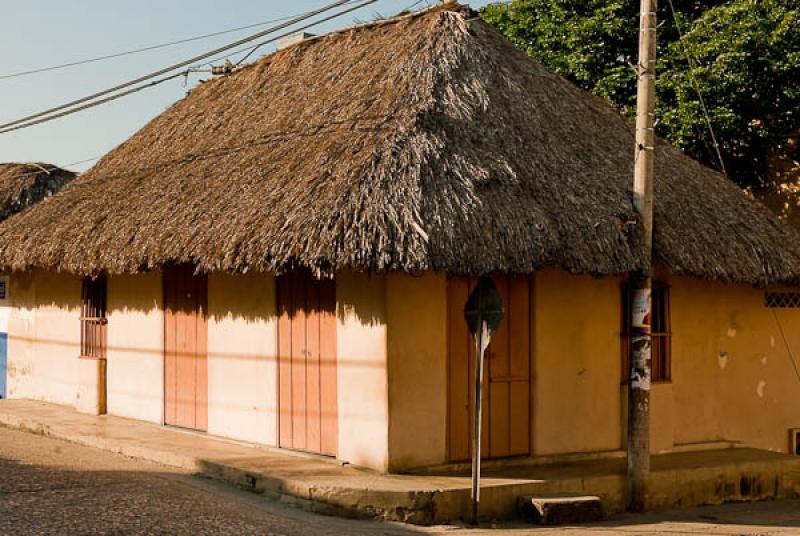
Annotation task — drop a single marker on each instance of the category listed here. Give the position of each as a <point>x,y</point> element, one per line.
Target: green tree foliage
<point>743,56</point>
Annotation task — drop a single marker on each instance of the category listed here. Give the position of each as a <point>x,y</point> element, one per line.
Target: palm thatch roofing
<point>422,142</point>
<point>22,185</point>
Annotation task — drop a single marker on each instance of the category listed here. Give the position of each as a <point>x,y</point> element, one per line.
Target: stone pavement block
<point>560,510</point>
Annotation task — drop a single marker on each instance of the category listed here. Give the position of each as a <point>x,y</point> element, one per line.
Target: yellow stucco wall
<point>44,337</point>
<point>576,391</point>
<point>242,372</point>
<point>135,373</point>
<point>362,388</point>
<point>576,364</point>
<point>732,373</point>
<point>733,377</point>
<point>416,310</point>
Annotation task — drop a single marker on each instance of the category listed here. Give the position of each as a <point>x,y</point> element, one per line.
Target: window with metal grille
<point>93,318</point>
<point>782,299</point>
<point>661,337</point>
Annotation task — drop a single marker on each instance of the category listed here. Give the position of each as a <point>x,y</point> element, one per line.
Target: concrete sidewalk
<point>323,485</point>
<point>313,482</point>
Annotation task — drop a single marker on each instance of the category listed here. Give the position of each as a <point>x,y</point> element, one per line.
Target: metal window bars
<point>782,300</point>
<point>93,318</point>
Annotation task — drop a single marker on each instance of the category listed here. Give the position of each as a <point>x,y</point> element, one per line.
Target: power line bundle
<point>187,66</point>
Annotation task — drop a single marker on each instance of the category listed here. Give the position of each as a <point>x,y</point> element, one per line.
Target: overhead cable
<point>140,50</point>
<point>195,59</point>
<point>48,168</point>
<point>46,116</point>
<point>692,66</point>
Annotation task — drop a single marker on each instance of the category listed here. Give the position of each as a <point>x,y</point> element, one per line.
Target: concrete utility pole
<point>641,282</point>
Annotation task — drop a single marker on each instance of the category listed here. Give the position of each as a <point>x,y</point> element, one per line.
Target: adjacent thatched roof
<point>425,142</point>
<point>22,185</point>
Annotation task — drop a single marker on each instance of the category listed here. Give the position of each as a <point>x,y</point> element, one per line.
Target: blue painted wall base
<point>3,363</point>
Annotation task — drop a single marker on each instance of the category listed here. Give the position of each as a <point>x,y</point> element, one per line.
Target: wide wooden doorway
<point>307,363</point>
<point>185,348</point>
<point>506,409</point>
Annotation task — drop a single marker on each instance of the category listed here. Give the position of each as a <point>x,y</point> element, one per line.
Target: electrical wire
<point>37,119</point>
<point>378,122</point>
<point>92,159</point>
<point>330,17</point>
<point>143,49</point>
<point>252,48</point>
<point>52,167</point>
<point>786,344</point>
<point>692,66</point>
<point>195,59</point>
<point>412,6</point>
<point>94,103</point>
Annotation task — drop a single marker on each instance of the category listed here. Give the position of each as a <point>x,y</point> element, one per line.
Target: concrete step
<point>560,510</point>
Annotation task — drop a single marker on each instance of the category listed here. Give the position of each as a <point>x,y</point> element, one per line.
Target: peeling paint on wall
<point>764,359</point>
<point>760,388</point>
<point>731,332</point>
<point>14,371</point>
<point>722,359</point>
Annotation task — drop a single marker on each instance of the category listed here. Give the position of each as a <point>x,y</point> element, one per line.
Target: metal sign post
<point>483,313</point>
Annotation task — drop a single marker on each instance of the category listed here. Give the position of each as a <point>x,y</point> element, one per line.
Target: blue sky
<point>40,33</point>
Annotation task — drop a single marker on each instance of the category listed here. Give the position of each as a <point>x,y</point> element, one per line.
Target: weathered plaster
<point>135,366</point>
<point>242,344</point>
<point>362,369</point>
<point>417,351</point>
<point>44,337</point>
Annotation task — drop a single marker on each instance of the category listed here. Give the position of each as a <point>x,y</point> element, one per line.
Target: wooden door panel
<point>506,407</point>
<point>312,355</point>
<point>459,368</point>
<point>307,362</point>
<point>499,428</point>
<point>185,370</point>
<point>170,365</point>
<point>185,348</point>
<point>519,403</point>
<point>519,317</point>
<point>298,361</point>
<point>201,352</point>
<point>329,428</point>
<point>497,372</point>
<point>284,297</point>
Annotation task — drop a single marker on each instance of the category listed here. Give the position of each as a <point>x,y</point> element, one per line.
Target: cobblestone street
<point>48,486</point>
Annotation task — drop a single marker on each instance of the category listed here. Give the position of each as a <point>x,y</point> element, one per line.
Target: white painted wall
<point>44,337</point>
<point>362,388</point>
<point>135,366</point>
<point>242,344</point>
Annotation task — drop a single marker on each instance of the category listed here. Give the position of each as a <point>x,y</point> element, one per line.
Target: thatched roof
<point>22,185</point>
<point>424,142</point>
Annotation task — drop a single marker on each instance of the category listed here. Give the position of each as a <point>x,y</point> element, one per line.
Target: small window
<point>661,337</point>
<point>93,318</point>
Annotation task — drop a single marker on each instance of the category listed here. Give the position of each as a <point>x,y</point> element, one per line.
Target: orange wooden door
<point>185,354</point>
<point>506,409</point>
<point>307,362</point>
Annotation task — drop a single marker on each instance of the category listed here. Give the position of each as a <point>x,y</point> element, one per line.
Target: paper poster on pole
<point>640,337</point>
